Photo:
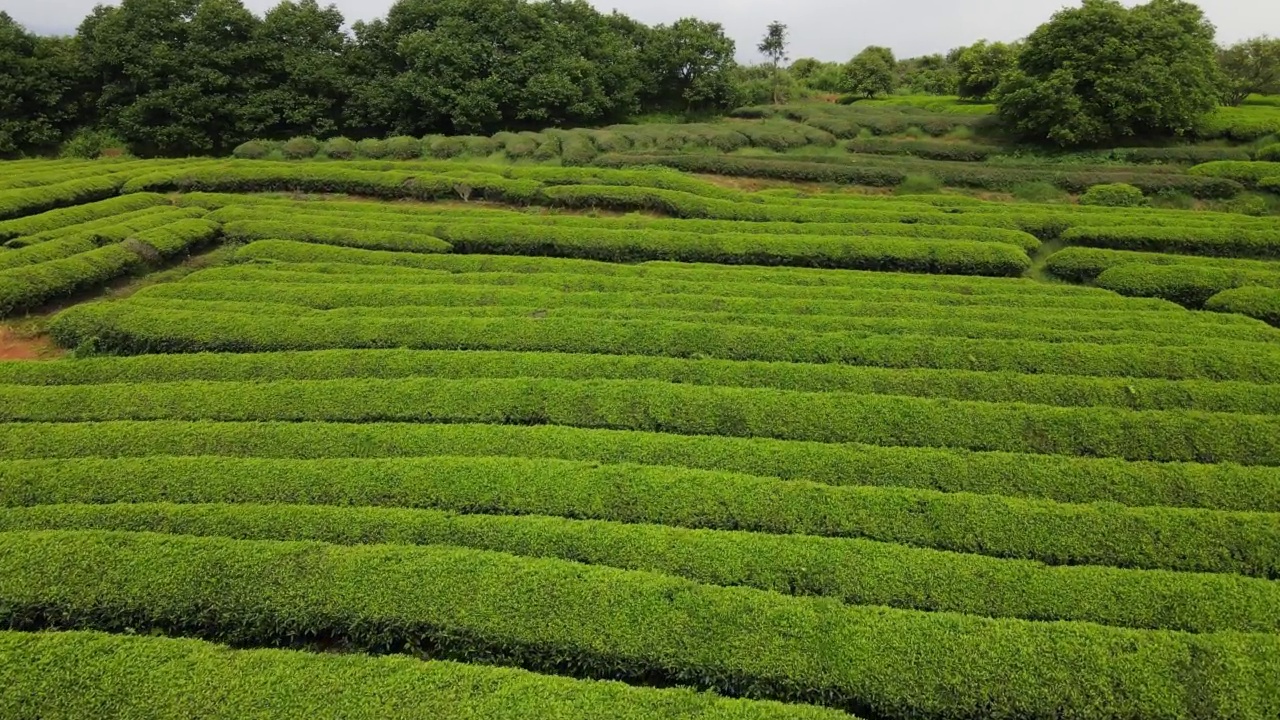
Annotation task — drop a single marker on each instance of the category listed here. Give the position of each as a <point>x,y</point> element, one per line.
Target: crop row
<point>1262,303</point>
<point>370,239</point>
<point>134,329</point>
<point>1083,264</point>
<point>865,287</point>
<point>854,571</point>
<point>1061,390</point>
<point>26,201</point>
<point>1055,477</point>
<point>1190,285</point>
<point>99,233</point>
<point>1224,242</point>
<point>429,219</point>
<point>957,174</point>
<point>1171,435</point>
<point>289,302</point>
<point>177,679</point>
<point>1246,173</point>
<point>546,614</point>
<point>78,214</point>
<point>30,285</point>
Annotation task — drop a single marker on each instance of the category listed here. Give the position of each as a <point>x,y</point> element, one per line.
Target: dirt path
<point>13,346</point>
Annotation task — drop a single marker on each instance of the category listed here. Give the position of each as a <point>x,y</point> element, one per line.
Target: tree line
<point>189,77</point>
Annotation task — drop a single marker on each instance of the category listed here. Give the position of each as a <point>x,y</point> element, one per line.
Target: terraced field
<point>467,440</point>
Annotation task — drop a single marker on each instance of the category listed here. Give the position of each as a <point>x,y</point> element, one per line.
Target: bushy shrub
<point>403,147</point>
<point>89,143</point>
<point>252,150</point>
<point>919,184</point>
<point>1269,153</point>
<point>1250,204</point>
<point>1038,192</point>
<point>481,146</point>
<point>300,148</point>
<point>445,147</point>
<point>1262,303</point>
<point>1270,184</point>
<point>372,148</point>
<point>339,148</point>
<point>1114,195</point>
<point>577,149</point>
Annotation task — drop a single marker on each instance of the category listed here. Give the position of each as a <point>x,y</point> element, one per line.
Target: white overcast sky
<point>826,29</point>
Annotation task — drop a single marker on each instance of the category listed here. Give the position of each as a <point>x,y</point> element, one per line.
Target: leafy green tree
<point>1248,67</point>
<point>817,75</point>
<point>1102,73</point>
<point>692,64</point>
<point>981,67</point>
<point>929,75</point>
<point>774,47</point>
<point>38,89</point>
<point>172,74</point>
<point>871,72</point>
<point>300,83</point>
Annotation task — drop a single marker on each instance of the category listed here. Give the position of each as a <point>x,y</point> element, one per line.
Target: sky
<point>825,29</point>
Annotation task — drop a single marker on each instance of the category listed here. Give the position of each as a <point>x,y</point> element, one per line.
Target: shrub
<point>372,148</point>
<point>1083,264</point>
<point>1037,192</point>
<point>32,285</point>
<point>481,146</point>
<point>1114,195</point>
<point>1189,285</point>
<point>403,147</point>
<point>253,150</point>
<point>1222,241</point>
<point>79,214</point>
<point>1252,205</point>
<point>300,148</point>
<point>340,148</point>
<point>522,145</point>
<point>28,201</point>
<point>327,235</point>
<point>1270,184</point>
<point>445,147</point>
<point>1261,303</point>
<point>1248,174</point>
<point>546,613</point>
<point>89,143</point>
<point>577,149</point>
<point>918,185</point>
<point>1270,153</point>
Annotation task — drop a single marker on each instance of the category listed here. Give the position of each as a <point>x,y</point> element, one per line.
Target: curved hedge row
<point>28,201</point>
<point>1248,174</point>
<point>1085,264</point>
<point>1224,242</point>
<point>121,328</point>
<point>665,407</point>
<point>1062,390</point>
<point>171,679</point>
<point>1262,303</point>
<point>859,572</point>
<point>56,222</point>
<point>98,233</point>
<point>956,174</point>
<point>247,230</point>
<point>1190,285</point>
<point>1054,477</point>
<point>548,614</point>
<point>862,288</point>
<point>268,300</point>
<point>860,253</point>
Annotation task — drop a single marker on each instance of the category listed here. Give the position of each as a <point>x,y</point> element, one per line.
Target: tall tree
<point>1248,67</point>
<point>693,64</point>
<point>1102,73</point>
<point>774,47</point>
<point>38,84</point>
<point>871,72</point>
<point>982,66</point>
<point>173,74</point>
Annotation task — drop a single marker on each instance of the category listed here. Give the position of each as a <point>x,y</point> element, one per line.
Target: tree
<point>929,74</point>
<point>39,78</point>
<point>827,77</point>
<point>774,47</point>
<point>1102,73</point>
<point>693,66</point>
<point>871,72</point>
<point>1248,67</point>
<point>982,66</point>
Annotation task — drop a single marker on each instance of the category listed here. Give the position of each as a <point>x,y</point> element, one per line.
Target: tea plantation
<point>455,438</point>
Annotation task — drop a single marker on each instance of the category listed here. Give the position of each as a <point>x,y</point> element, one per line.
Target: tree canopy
<point>1252,66</point>
<point>871,72</point>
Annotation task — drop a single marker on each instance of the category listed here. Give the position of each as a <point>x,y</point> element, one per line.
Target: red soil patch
<point>16,347</point>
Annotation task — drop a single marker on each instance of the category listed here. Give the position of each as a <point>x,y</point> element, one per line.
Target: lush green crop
<point>171,679</point>
<point>28,201</point>
<point>1226,242</point>
<point>1085,264</point>
<point>1055,477</point>
<point>66,217</point>
<point>860,572</point>
<point>1246,173</point>
<point>1190,285</point>
<point>246,230</point>
<point>611,623</point>
<point>96,234</point>
<point>1262,303</point>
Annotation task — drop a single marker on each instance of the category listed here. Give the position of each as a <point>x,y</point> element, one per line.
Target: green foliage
<point>300,148</point>
<point>542,613</point>
<point>1221,242</point>
<point>246,230</point>
<point>28,201</point>
<point>1083,264</point>
<point>77,214</point>
<point>1248,174</point>
<point>172,679</point>
<point>39,83</point>
<point>1101,73</point>
<point>981,68</point>
<point>1253,301</point>
<point>1037,192</point>
<point>404,148</point>
<point>1190,285</point>
<point>371,148</point>
<point>870,73</point>
<point>1114,195</point>
<point>1269,153</point>
<point>89,144</point>
<point>1250,66</point>
<point>340,148</point>
<point>928,149</point>
<point>253,150</point>
<point>918,185</point>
